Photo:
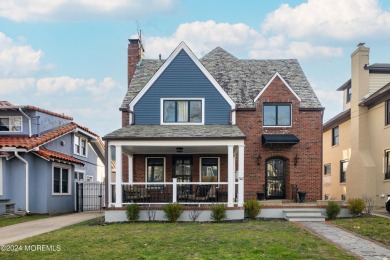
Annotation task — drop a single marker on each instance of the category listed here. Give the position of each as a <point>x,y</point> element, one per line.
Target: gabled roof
<point>242,80</point>
<point>56,156</point>
<point>377,97</point>
<point>29,143</point>
<point>182,47</point>
<point>337,120</point>
<point>5,105</point>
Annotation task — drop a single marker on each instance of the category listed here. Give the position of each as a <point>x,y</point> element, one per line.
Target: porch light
<point>258,158</point>
<point>179,149</point>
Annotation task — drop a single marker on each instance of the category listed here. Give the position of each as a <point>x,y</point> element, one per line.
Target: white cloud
<point>101,89</point>
<point>344,20</point>
<point>16,85</point>
<point>53,10</point>
<point>17,59</point>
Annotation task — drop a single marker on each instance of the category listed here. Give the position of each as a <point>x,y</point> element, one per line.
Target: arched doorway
<point>275,178</point>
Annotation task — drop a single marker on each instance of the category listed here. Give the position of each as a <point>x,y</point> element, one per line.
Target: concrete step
<point>303,215</point>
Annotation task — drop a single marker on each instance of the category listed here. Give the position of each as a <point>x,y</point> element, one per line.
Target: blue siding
<point>182,79</point>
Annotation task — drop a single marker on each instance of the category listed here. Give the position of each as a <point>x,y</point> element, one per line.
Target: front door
<point>182,170</point>
<point>275,179</point>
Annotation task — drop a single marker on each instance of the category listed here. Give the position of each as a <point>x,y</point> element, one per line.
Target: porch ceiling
<point>172,150</point>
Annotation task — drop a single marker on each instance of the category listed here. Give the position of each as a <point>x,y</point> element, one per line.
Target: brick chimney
<point>134,55</point>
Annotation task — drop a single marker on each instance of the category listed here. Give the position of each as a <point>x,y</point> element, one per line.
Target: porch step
<point>301,215</point>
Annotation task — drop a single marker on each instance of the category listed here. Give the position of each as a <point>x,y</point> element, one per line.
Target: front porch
<point>151,169</point>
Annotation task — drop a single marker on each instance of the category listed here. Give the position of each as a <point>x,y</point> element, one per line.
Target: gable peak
<point>219,53</point>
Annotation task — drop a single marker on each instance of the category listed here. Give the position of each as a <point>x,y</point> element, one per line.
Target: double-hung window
<point>11,124</point>
<point>209,169</point>
<point>80,145</point>
<point>343,171</point>
<point>335,136</point>
<point>155,169</point>
<point>182,111</point>
<point>387,114</point>
<point>61,180</point>
<point>387,165</point>
<point>277,114</point>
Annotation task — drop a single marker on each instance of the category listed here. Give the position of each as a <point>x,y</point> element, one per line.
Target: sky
<point>70,56</point>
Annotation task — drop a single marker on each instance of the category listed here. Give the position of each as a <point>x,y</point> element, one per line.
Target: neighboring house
<point>219,128</point>
<point>357,141</point>
<point>42,155</point>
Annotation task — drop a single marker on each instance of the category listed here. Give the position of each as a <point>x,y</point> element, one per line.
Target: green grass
<point>11,221</point>
<point>373,227</point>
<point>247,240</point>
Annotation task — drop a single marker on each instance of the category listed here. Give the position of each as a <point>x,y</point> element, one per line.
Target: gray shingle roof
<point>177,132</point>
<point>241,79</point>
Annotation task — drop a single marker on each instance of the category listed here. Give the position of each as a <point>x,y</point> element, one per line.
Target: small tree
<point>173,211</point>
<point>218,212</point>
<point>370,203</point>
<point>333,210</point>
<point>132,212</point>
<point>252,208</point>
<point>356,206</point>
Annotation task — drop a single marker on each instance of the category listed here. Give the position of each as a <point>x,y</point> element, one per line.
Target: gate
<point>90,196</point>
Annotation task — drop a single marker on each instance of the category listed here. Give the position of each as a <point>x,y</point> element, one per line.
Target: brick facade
<point>306,125</point>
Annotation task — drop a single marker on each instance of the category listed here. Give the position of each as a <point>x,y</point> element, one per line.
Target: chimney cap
<point>361,44</point>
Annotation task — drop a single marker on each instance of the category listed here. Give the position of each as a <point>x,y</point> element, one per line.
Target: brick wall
<point>306,125</point>
<point>134,53</point>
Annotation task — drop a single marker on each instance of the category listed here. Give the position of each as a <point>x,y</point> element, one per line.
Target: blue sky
<point>70,56</point>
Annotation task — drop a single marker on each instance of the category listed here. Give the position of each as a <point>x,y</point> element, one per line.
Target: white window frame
<point>80,138</point>
<point>9,118</point>
<point>1,176</point>
<point>70,175</point>
<point>278,104</point>
<point>200,166</point>
<point>78,175</point>
<point>89,178</point>
<point>146,168</point>
<point>181,99</point>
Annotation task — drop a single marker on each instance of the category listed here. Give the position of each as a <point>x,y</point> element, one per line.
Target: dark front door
<point>276,179</point>
<point>182,170</point>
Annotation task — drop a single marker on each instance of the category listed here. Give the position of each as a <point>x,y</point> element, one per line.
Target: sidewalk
<point>13,233</point>
<point>347,241</point>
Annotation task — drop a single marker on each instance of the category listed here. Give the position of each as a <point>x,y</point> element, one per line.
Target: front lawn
<point>11,221</point>
<point>373,227</point>
<point>247,240</point>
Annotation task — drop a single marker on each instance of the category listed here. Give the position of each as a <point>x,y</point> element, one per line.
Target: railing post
<point>174,190</point>
<point>231,177</point>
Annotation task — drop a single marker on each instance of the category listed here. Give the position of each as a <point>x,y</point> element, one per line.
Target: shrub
<point>172,211</point>
<point>356,206</point>
<point>218,212</point>
<point>252,208</point>
<point>370,203</point>
<point>132,212</point>
<point>333,210</point>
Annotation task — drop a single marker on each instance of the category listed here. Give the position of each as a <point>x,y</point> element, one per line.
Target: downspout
<point>27,193</point>
<point>29,122</point>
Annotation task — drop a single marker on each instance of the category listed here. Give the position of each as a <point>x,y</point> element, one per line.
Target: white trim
<point>118,176</point>
<point>209,157</point>
<point>89,178</point>
<point>9,118</point>
<point>78,176</point>
<point>181,46</point>
<point>79,144</point>
<point>1,176</point>
<point>70,175</point>
<point>146,167</point>
<point>181,99</point>
<point>269,83</point>
<point>181,143</point>
<point>79,130</point>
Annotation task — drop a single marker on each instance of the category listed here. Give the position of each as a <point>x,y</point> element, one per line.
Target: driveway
<point>13,233</point>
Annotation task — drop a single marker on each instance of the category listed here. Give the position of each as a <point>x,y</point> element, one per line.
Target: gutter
<point>27,190</point>
<point>29,122</point>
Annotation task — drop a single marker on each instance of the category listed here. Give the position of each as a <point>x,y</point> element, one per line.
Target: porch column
<point>118,176</point>
<point>240,175</point>
<point>231,176</point>
<point>131,174</point>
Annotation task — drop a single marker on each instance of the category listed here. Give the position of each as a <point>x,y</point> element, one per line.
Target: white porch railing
<point>159,193</point>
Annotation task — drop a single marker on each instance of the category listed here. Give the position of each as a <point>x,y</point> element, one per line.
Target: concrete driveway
<point>13,233</point>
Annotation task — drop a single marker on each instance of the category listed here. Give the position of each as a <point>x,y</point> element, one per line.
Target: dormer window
<point>11,124</point>
<point>80,146</point>
<point>182,111</point>
<point>349,94</point>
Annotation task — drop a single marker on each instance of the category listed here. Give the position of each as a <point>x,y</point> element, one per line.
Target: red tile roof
<point>52,155</point>
<point>28,143</point>
<point>5,104</point>
<point>8,105</point>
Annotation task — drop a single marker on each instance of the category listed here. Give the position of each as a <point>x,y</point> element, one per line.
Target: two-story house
<point>42,156</point>
<point>216,129</point>
<point>357,141</point>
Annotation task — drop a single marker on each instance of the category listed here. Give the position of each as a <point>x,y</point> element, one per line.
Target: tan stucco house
<point>356,142</point>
